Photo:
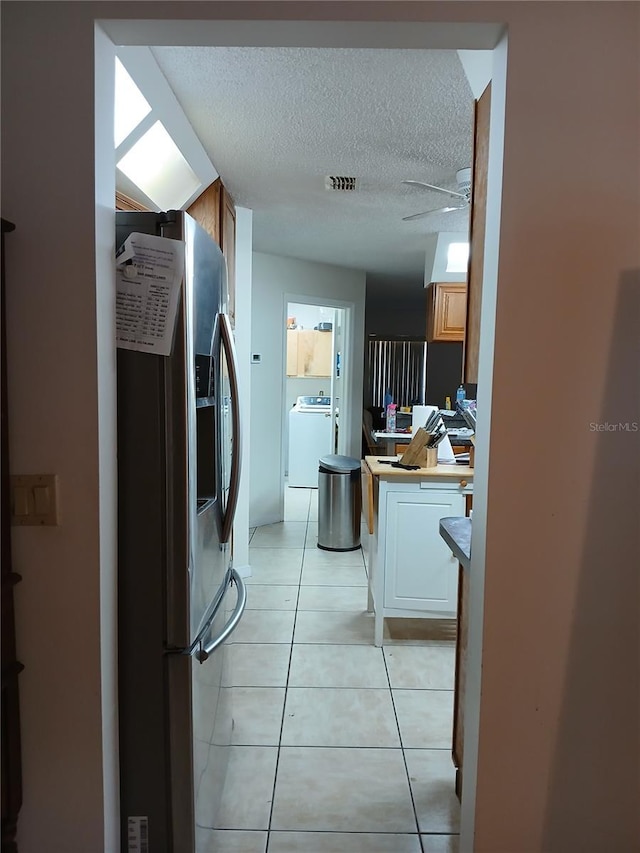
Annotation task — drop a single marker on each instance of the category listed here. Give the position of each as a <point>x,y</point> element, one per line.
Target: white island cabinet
<point>412,572</point>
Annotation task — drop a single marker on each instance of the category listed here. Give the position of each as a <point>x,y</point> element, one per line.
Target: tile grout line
<point>404,757</point>
<point>286,689</point>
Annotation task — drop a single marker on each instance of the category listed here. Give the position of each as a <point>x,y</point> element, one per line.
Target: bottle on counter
<point>460,395</point>
<point>391,417</point>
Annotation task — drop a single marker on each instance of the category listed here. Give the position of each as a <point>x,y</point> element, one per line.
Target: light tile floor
<point>338,746</point>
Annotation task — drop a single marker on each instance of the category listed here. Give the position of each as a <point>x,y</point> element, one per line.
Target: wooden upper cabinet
<point>292,352</point>
<point>446,311</point>
<point>215,211</point>
<point>206,210</point>
<point>228,246</point>
<point>314,353</point>
<point>309,352</point>
<point>123,202</point>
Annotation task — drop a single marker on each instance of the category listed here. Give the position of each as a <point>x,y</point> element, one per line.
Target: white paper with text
<point>149,272</point>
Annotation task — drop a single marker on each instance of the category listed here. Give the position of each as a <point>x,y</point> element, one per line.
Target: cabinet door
<point>421,573</point>
<point>228,246</point>
<point>206,210</point>
<point>447,307</point>
<point>314,353</point>
<point>123,202</point>
<point>292,352</point>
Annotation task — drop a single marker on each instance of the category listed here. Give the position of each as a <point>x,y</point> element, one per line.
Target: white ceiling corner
<point>478,66</point>
<point>276,121</point>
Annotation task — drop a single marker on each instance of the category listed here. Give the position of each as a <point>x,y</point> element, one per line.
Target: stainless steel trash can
<point>339,503</point>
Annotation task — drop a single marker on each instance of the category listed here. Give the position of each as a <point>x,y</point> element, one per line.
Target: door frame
<point>352,34</point>
<point>346,367</point>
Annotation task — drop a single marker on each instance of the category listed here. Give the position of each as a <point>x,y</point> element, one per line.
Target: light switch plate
<point>34,499</point>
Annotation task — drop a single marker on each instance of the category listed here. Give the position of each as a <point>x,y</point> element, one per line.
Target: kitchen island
<point>412,572</point>
<point>456,532</point>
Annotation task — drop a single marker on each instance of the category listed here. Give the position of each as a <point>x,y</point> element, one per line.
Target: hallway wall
<point>273,278</point>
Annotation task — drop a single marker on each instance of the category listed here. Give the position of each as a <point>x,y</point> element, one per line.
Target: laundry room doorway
<point>314,388</point>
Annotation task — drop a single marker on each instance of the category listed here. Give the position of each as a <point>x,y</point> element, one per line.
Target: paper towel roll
<point>419,415</point>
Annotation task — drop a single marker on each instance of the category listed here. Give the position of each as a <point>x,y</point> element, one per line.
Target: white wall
<point>558,713</point>
<point>308,316</point>
<point>244,255</point>
<point>559,700</point>
<point>430,246</point>
<point>274,278</point>
<point>477,66</point>
<point>61,374</point>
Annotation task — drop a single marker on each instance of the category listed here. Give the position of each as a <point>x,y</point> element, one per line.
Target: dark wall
<point>398,308</point>
<point>395,307</point>
<point>444,372</point>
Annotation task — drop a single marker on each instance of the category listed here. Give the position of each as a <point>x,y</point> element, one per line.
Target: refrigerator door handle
<point>234,484</point>
<point>204,652</point>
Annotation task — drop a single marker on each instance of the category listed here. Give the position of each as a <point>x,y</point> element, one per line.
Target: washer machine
<point>310,437</point>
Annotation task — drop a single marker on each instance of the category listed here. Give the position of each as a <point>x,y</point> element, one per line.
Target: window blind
<point>401,367</point>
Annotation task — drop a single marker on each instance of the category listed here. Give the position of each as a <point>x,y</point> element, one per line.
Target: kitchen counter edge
<point>440,472</point>
<point>456,532</point>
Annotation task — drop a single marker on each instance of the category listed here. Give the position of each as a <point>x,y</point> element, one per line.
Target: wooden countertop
<point>440,472</point>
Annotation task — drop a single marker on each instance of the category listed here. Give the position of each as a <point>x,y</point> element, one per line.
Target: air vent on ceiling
<point>339,183</point>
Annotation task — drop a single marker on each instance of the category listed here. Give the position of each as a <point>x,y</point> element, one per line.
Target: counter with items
<point>412,572</point>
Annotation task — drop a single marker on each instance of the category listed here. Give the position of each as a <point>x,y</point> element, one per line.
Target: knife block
<point>430,457</point>
<point>417,452</point>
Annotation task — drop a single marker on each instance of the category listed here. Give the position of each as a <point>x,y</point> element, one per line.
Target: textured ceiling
<point>276,121</point>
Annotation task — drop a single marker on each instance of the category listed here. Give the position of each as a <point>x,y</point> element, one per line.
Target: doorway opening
<point>344,394</point>
<point>314,388</point>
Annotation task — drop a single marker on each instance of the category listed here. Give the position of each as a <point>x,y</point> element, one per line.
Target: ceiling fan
<point>462,195</point>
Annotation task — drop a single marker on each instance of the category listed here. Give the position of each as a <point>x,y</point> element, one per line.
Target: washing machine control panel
<point>314,402</point>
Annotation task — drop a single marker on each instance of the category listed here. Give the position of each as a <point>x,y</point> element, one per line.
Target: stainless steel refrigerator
<point>179,598</point>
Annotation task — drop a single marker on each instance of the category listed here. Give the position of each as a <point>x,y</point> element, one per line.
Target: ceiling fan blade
<point>437,189</point>
<point>428,212</point>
